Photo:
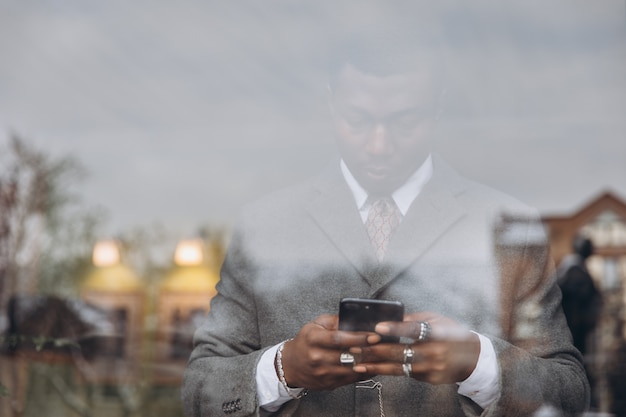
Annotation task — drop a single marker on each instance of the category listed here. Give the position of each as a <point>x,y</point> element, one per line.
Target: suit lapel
<point>432,213</point>
<point>333,208</point>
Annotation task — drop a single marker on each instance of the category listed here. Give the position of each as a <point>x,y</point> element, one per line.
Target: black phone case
<point>362,315</point>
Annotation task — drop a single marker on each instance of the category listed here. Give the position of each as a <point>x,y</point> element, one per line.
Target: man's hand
<point>448,355</point>
<point>311,360</point>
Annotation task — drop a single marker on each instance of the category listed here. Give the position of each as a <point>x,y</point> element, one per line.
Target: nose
<point>379,142</point>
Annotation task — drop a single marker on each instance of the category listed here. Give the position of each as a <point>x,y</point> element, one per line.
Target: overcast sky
<point>182,111</point>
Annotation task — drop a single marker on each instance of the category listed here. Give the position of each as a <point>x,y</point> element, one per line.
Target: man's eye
<point>358,122</point>
<point>407,122</point>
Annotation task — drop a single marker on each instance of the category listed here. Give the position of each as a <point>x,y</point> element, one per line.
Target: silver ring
<point>346,359</point>
<point>409,354</point>
<point>425,331</point>
<point>407,368</point>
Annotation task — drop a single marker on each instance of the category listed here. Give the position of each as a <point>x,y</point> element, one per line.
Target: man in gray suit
<point>484,333</point>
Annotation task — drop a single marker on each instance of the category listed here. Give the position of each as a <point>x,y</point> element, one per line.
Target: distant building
<point>603,220</point>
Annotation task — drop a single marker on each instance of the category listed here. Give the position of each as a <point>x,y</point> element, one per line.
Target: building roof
<point>607,200</point>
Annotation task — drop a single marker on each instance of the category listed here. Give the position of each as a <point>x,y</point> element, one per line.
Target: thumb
<point>327,321</point>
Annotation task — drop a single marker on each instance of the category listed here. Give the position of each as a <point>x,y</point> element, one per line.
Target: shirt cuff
<point>271,393</point>
<point>483,385</point>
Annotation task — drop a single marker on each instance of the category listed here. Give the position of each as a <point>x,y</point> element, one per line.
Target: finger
<point>437,328</point>
<point>422,370</point>
<point>316,335</point>
<point>345,340</point>
<point>417,330</point>
<point>422,366</point>
<point>410,325</point>
<point>331,322</point>
<point>379,368</point>
<point>391,352</point>
<point>327,321</point>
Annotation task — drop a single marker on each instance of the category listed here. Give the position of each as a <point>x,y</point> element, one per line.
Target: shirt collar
<point>403,196</point>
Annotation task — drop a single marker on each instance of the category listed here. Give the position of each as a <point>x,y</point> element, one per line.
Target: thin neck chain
<point>379,387</point>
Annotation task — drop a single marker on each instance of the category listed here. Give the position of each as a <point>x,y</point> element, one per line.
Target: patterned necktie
<point>382,220</point>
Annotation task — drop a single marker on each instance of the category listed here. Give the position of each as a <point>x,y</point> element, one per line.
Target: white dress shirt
<point>482,386</point>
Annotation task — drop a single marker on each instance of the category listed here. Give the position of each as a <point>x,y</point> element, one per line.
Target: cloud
<point>183,112</point>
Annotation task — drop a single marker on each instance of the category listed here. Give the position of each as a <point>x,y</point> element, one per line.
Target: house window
<point>606,230</point>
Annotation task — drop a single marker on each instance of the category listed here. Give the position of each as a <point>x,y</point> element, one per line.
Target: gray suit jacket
<point>297,252</point>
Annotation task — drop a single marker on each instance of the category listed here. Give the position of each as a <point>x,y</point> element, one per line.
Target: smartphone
<point>362,315</point>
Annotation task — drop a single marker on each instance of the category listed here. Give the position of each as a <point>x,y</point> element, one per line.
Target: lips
<point>377,171</point>
<point>378,168</point>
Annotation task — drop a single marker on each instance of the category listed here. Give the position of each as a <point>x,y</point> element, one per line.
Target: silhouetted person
<point>581,300</point>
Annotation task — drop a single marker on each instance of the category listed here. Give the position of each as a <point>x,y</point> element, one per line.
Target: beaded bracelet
<point>281,373</point>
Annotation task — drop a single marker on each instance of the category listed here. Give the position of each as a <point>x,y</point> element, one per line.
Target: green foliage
<point>42,222</point>
<point>67,257</point>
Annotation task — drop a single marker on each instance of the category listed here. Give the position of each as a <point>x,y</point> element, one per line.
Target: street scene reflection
<point>138,148</point>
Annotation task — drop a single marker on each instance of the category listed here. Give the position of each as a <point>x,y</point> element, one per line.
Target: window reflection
<point>606,230</point>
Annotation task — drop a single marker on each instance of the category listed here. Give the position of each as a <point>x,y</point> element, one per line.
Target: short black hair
<point>583,246</point>
<point>383,51</point>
